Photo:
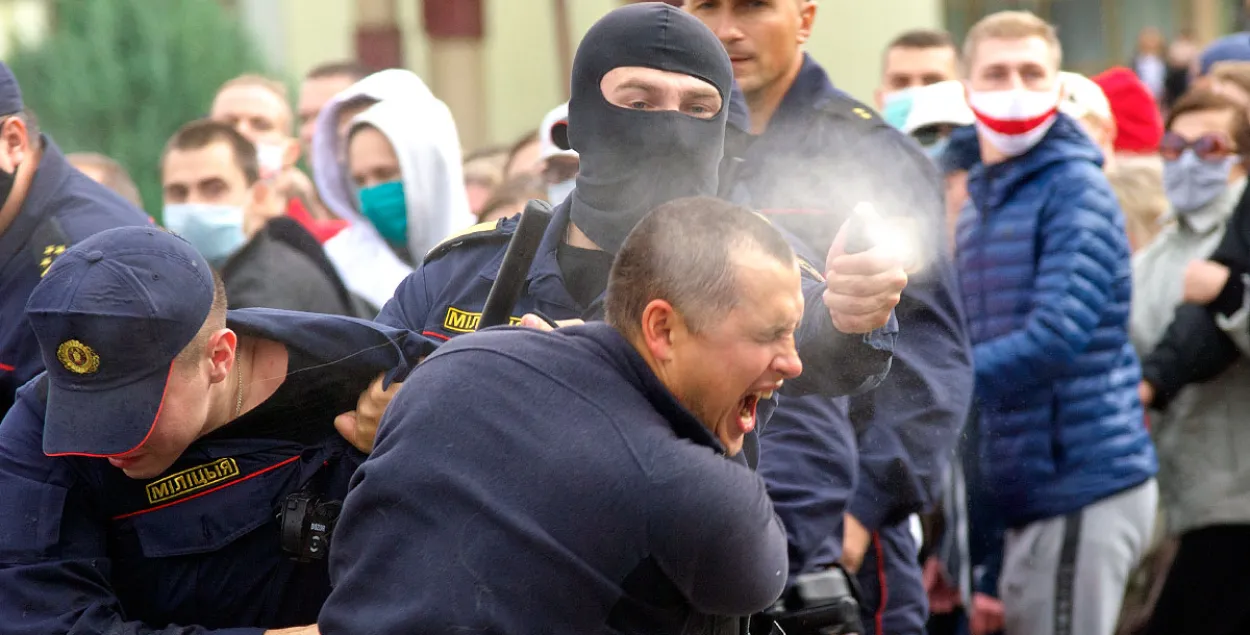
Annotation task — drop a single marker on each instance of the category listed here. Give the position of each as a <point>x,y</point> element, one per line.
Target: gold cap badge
<point>77,357</point>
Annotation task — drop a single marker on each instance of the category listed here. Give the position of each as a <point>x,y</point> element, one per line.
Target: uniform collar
<point>811,86</point>
<point>634,368</point>
<point>546,281</point>
<point>49,176</point>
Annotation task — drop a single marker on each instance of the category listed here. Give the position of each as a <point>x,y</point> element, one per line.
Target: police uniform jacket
<point>62,207</point>
<point>527,482</point>
<point>821,154</point>
<point>85,549</point>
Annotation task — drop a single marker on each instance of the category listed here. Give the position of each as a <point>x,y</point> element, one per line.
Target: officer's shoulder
<point>841,107</point>
<point>489,236</point>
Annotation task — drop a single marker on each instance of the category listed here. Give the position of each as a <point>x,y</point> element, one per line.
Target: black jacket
<point>1194,349</point>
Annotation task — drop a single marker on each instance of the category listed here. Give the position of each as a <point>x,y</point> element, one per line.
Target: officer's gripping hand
<point>863,288</point>
<point>533,321</point>
<point>360,426</point>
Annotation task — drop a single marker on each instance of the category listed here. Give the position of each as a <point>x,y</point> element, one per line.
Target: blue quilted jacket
<point>1046,280</point>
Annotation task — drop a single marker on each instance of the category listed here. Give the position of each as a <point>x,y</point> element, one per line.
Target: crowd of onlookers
<point>384,179</point>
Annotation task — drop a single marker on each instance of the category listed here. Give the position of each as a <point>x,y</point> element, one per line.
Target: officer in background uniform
<point>806,154</point>
<point>45,207</point>
<point>647,117</point>
<point>174,470</point>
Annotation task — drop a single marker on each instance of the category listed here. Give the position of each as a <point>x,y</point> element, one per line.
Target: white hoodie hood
<point>363,259</point>
<point>425,142</point>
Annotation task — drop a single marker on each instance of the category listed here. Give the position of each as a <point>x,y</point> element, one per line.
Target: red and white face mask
<point>1014,121</point>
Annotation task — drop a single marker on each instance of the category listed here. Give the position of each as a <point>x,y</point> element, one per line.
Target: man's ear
<point>878,96</point>
<point>661,328</point>
<point>222,347</point>
<point>14,144</point>
<point>807,17</point>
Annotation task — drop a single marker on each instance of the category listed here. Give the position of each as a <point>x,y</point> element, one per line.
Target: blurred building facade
<point>501,64</point>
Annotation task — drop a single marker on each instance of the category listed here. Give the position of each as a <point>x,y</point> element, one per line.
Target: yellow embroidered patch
<point>460,321</point>
<point>191,480</point>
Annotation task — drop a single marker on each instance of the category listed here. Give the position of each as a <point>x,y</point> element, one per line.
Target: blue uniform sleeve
<point>410,306</point>
<point>836,364</point>
<point>715,535</point>
<point>910,423</point>
<point>54,565</point>
<point>1076,270</point>
<point>808,459</point>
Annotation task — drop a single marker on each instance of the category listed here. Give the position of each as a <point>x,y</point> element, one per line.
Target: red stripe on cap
<point>151,428</point>
<point>1013,126</point>
<point>438,335</point>
<point>8,368</point>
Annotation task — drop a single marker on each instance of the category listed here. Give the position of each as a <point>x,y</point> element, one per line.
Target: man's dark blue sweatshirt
<point>530,482</point>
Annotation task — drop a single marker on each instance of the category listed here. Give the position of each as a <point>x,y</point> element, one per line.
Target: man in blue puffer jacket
<point>1045,274</point>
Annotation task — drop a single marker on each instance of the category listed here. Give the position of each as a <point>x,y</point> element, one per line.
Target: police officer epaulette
<point>47,242</point>
<point>845,107</point>
<point>495,231</point>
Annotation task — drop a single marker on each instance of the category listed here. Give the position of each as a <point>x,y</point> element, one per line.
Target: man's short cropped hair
<point>116,177</point>
<point>684,252</point>
<point>1010,25</point>
<point>202,133</point>
<point>190,355</point>
<point>341,68</point>
<point>252,79</point>
<point>923,39</point>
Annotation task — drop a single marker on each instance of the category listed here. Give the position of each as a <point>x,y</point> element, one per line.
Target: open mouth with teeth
<point>747,409</point>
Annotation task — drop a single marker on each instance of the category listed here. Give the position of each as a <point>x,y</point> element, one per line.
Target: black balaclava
<point>631,160</point>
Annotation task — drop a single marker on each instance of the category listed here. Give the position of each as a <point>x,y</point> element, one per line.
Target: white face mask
<point>1013,121</point>
<point>269,157</point>
<point>557,192</point>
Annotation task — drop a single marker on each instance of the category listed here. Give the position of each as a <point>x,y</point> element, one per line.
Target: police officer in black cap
<point>45,207</point>
<point>175,470</point>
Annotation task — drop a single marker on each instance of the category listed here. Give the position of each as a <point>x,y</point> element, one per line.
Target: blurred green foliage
<point>120,76</point>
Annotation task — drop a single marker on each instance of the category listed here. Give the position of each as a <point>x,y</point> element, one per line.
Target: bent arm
<point>715,535</point>
<point>1078,265</point>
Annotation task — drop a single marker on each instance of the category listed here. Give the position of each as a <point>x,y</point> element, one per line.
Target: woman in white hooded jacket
<point>425,149</point>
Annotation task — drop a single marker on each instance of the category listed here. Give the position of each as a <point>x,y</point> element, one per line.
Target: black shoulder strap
<point>496,231</point>
<point>846,108</point>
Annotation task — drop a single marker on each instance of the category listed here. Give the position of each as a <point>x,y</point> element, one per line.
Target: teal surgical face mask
<point>216,231</point>
<point>385,206</point>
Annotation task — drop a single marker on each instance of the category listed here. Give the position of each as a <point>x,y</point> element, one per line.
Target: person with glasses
<point>1198,430</point>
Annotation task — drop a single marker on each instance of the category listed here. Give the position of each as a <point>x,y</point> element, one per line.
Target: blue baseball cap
<point>1230,48</point>
<point>111,315</point>
<point>10,92</point>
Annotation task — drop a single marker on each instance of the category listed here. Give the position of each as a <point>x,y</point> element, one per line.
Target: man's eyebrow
<point>636,84</point>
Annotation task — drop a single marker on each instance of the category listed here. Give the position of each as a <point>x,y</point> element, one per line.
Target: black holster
<point>821,603</point>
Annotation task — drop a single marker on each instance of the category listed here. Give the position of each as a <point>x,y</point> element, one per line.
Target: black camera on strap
<point>307,525</point>
<point>821,603</point>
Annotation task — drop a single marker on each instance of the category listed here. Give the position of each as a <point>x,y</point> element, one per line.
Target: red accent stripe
<point>1013,127</point>
<point>885,591</point>
<point>438,335</point>
<point>211,490</point>
<point>8,368</point>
